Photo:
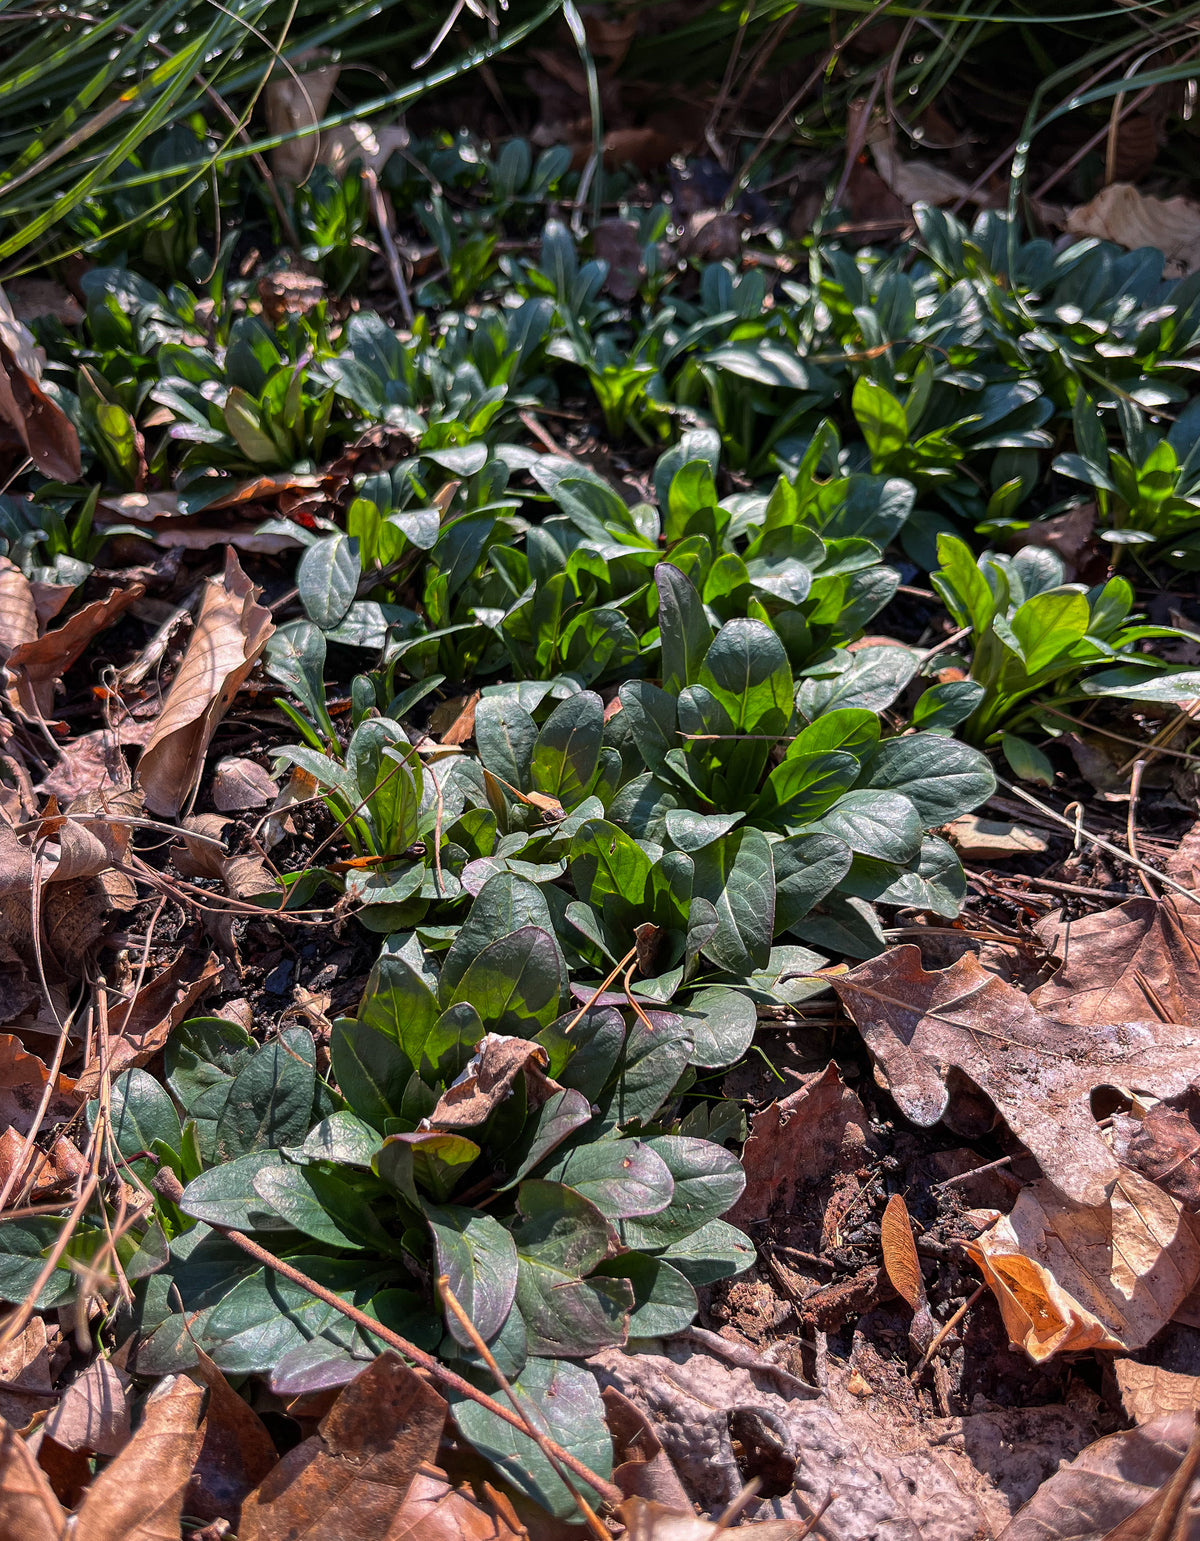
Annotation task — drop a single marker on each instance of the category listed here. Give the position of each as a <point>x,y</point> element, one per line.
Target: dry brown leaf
<point>93,1413</point>
<point>26,1386</point>
<point>44,428</point>
<point>617,242</point>
<point>230,634</point>
<point>641,1467</point>
<point>139,1496</point>
<point>36,667</point>
<point>1069,1277</point>
<point>1122,214</point>
<point>453,721</point>
<point>435,1510</point>
<point>485,1082</point>
<point>370,144</point>
<point>348,1481</point>
<point>916,181</point>
<point>1107,1487</point>
<point>18,612</point>
<point>93,762</point>
<point>29,1510</point>
<point>814,1133</point>
<point>30,298</point>
<point>1139,960</point>
<point>296,101</point>
<point>138,1030</point>
<point>237,1452</point>
<point>1148,1391</point>
<point>23,1078</point>
<point>1039,1076</point>
<point>993,839</point>
<point>239,783</point>
<point>900,1260</point>
<point>1165,1146</point>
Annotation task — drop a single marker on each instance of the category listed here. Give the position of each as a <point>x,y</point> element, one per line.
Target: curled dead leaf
<point>43,426</point>
<point>485,1082</point>
<point>1069,1277</point>
<point>35,667</point>
<point>231,631</point>
<point>1122,214</point>
<point>240,783</point>
<point>29,1510</point>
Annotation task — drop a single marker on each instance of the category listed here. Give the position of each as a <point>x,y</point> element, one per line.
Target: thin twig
<point>976,1171</point>
<point>947,1330</point>
<point>382,219</point>
<point>1104,845</point>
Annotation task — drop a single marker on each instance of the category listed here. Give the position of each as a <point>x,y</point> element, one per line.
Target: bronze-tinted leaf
<point>900,1260</point>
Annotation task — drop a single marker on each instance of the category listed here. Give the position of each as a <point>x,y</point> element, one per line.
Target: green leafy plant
<point>1033,638</point>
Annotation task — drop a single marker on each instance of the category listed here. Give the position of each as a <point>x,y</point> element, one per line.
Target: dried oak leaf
<point>18,612</point>
<point>1141,959</point>
<point>436,1510</point>
<point>240,783</point>
<point>1122,214</point>
<point>1165,1146</point>
<point>94,1411</point>
<point>1070,1277</point>
<point>26,1386</point>
<point>29,1510</point>
<point>817,1132</point>
<point>139,1496</point>
<point>237,1452</point>
<point>647,1520</point>
<point>44,428</point>
<point>23,1078</point>
<point>1108,1486</point>
<point>347,1482</point>
<point>1148,1391</point>
<point>35,667</point>
<point>230,633</point>
<point>1039,1074</point>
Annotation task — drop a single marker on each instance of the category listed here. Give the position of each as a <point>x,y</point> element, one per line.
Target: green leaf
<point>683,627</point>
<point>807,867</point>
<point>371,1069</point>
<point>941,708</point>
<point>607,863</point>
<point>399,1002</point>
<point>23,1248</point>
<point>265,1316</point>
<point>439,1160</point>
<point>226,1195</point>
<point>505,734</point>
<point>202,1059</point>
<point>142,1113</point>
<point>693,831</point>
<point>1132,684</point>
<point>884,825</point>
<point>515,983</point>
<point>717,1250</point>
<point>966,592</point>
<point>1049,625</point>
<point>651,714</point>
<point>1027,760</point>
<point>654,1061</point>
<point>747,670</point>
<point>566,755</point>
<point>560,1238</point>
<point>503,905</point>
<point>941,779</point>
<point>479,1258</point>
<point>804,786</point>
<point>736,876</point>
<point>270,1102</point>
<point>244,422</point>
<point>664,1302</point>
<point>327,577</point>
<point>882,420</point>
<point>342,1139</point>
<point>721,1023</point>
<point>872,680</point>
<point>322,1206</point>
<point>849,730</point>
<point>563,1401</point>
<point>620,1177</point>
<point>708,1181</point>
